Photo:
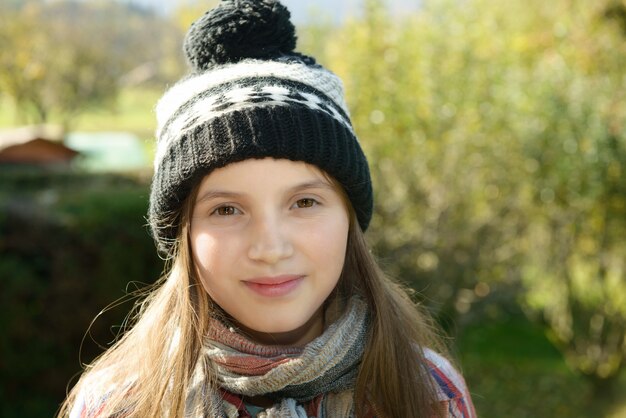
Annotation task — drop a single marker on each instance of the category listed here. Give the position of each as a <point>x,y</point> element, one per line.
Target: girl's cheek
<point>206,247</point>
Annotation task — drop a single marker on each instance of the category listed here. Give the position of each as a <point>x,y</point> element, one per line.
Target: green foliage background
<point>70,246</point>
<point>495,131</point>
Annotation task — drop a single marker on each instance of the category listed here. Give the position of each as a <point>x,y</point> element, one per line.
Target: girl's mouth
<point>275,286</point>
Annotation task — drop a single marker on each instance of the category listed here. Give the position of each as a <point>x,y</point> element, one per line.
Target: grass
<point>513,371</point>
<point>133,111</point>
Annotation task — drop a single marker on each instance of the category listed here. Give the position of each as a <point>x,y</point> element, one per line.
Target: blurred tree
<point>616,11</point>
<point>421,94</point>
<point>58,58</point>
<point>496,136</point>
<point>573,124</point>
<point>21,66</point>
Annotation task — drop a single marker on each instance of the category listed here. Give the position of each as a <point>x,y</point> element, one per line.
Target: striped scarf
<point>316,380</point>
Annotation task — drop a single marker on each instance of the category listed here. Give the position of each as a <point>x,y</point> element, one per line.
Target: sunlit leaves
<point>496,135</point>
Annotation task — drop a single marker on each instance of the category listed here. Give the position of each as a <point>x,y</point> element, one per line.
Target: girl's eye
<point>306,203</point>
<point>226,211</point>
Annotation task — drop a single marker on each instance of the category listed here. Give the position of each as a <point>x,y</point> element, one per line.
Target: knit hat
<point>250,95</point>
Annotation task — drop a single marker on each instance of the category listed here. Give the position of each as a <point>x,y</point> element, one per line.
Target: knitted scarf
<point>316,380</point>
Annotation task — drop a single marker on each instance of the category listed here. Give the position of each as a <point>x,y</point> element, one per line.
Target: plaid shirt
<point>452,391</point>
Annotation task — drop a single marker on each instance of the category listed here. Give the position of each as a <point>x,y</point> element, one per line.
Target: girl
<point>272,305</point>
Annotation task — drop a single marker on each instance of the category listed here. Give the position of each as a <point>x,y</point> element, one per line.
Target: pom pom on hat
<point>239,29</point>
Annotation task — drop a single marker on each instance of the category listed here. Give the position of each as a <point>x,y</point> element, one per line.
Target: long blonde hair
<point>148,371</point>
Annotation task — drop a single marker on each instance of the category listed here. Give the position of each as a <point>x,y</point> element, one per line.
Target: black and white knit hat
<point>250,96</point>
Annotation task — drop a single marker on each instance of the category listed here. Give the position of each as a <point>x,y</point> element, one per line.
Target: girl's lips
<point>274,286</point>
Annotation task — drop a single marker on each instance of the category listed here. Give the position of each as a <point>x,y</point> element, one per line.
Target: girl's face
<point>268,240</point>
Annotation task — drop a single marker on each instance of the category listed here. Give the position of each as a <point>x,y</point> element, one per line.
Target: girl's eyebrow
<point>212,194</point>
<point>315,184</point>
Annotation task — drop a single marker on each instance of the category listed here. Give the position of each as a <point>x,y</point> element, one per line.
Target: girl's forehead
<point>266,172</point>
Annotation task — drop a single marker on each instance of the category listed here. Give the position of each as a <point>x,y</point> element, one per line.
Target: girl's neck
<point>301,336</point>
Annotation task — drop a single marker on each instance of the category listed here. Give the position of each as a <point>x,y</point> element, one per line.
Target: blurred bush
<point>69,246</point>
<point>496,136</point>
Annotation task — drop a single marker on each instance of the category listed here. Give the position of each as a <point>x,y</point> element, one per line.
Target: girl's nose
<point>269,241</point>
